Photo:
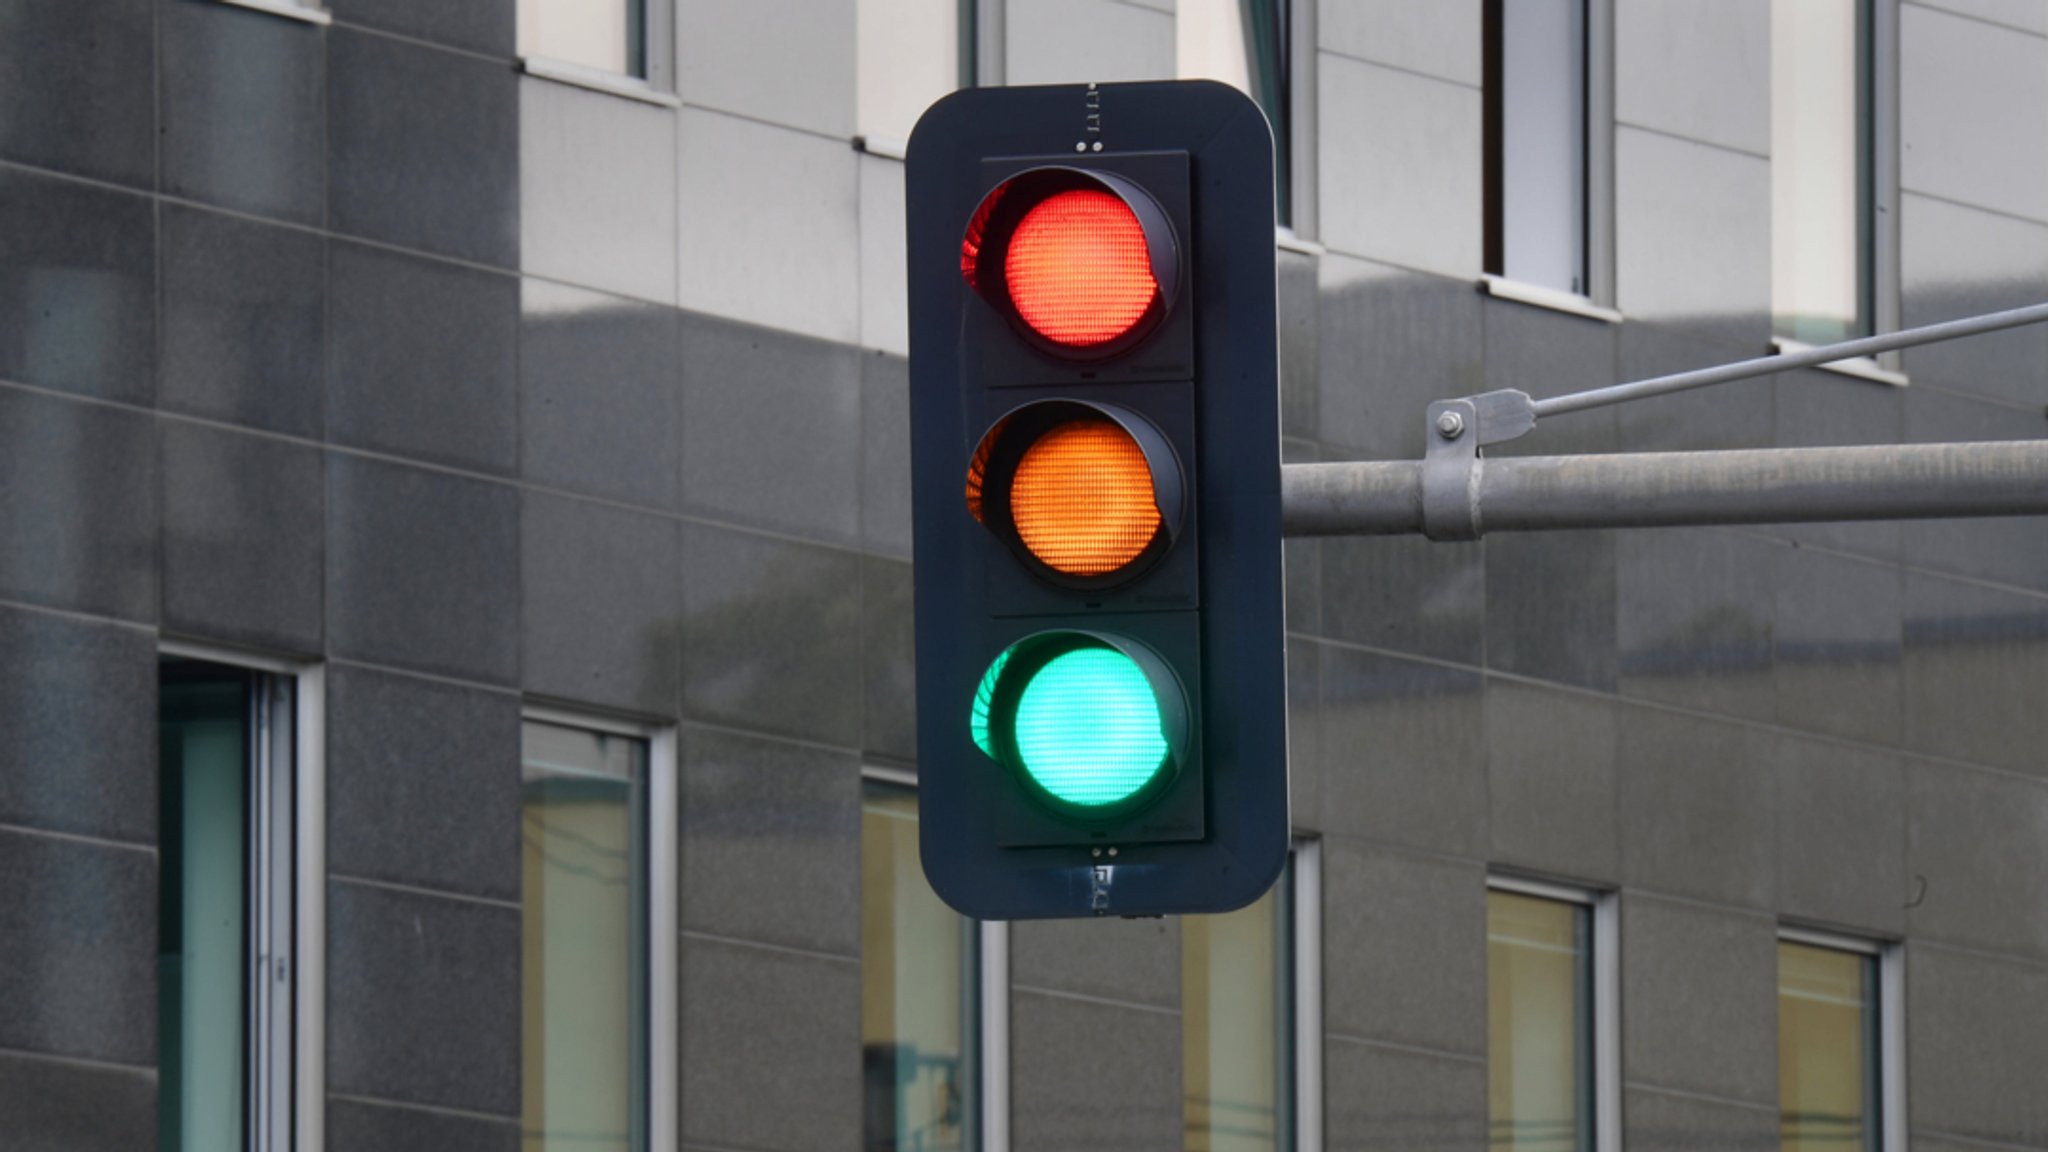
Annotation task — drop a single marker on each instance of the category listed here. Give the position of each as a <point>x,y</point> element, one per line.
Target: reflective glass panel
<point>202,974</point>
<point>908,53</point>
<point>1821,221</point>
<point>1243,43</point>
<point>1539,1024</point>
<point>918,992</point>
<point>1237,1021</point>
<point>1542,108</point>
<point>605,35</point>
<point>583,971</point>
<point>1827,1049</point>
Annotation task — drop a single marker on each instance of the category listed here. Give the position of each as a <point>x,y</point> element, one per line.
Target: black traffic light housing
<point>1172,650</point>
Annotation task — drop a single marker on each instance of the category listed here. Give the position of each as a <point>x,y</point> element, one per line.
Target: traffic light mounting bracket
<point>1455,493</point>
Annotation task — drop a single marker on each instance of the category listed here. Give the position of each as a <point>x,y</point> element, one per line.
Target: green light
<point>984,697</point>
<point>1088,728</point>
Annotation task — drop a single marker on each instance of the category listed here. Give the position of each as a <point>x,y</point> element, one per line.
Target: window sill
<point>1285,238</point>
<point>882,146</point>
<point>597,81</point>
<point>1566,302</point>
<point>1861,367</point>
<point>286,9</point>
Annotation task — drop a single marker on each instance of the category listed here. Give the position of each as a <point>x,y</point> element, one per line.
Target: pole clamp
<point>1451,468</point>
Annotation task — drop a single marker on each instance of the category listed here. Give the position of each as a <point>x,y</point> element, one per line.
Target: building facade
<point>455,584</point>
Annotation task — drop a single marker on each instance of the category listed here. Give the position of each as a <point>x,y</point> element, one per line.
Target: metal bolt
<point>1080,145</point>
<point>1112,851</point>
<point>1450,425</point>
<point>1095,851</point>
<point>1098,146</point>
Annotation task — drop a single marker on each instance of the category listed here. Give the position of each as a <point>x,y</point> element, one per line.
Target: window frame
<point>298,1062</point>
<point>1892,1125</point>
<point>1596,207</point>
<point>663,886</point>
<point>990,42</point>
<point>1884,179</point>
<point>1303,55</point>
<point>1305,874</point>
<point>992,1019</point>
<point>658,45</point>
<point>1605,908</point>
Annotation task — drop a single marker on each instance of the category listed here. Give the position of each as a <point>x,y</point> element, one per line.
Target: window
<point>602,35</point>
<point>921,1018</point>
<point>1839,1045</point>
<point>596,963</point>
<point>1243,991</point>
<point>1823,219</point>
<point>1245,44</point>
<point>1548,151</point>
<point>1552,1066</point>
<point>238,1013</point>
<point>620,46</point>
<point>1534,63</point>
<point>908,54</point>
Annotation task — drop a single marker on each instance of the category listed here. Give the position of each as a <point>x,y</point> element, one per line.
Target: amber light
<point>1078,270</point>
<point>1082,499</point>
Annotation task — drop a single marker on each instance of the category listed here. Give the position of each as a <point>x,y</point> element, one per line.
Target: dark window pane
<point>202,976</point>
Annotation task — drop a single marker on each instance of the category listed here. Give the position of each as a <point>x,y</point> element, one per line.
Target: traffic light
<point>1101,701</point>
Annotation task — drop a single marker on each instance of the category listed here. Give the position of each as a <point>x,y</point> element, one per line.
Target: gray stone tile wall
<point>315,375</point>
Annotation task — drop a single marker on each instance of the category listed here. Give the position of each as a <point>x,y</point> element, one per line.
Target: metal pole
<point>1786,361</point>
<point>1663,489</point>
<point>1370,498</point>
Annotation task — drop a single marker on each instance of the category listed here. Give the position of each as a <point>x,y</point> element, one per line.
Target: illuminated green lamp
<point>1093,724</point>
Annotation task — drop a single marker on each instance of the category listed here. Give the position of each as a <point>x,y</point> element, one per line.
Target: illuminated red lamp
<point>1083,263</point>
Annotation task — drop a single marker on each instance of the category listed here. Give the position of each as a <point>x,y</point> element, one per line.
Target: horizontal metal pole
<point>1370,498</point>
<point>1664,489</point>
<point>1786,361</point>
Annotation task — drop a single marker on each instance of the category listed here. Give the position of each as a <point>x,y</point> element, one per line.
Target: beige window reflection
<point>1209,43</point>
<point>917,992</point>
<point>1821,220</point>
<point>1539,1082</point>
<point>1243,43</point>
<point>1236,1028</point>
<point>1827,1049</point>
<point>602,35</point>
<point>583,931</point>
<point>908,53</point>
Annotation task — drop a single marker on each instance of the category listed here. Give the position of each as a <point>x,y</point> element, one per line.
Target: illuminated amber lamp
<point>1089,495</point>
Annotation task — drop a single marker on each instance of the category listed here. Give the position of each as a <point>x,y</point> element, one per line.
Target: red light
<point>1078,269</point>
